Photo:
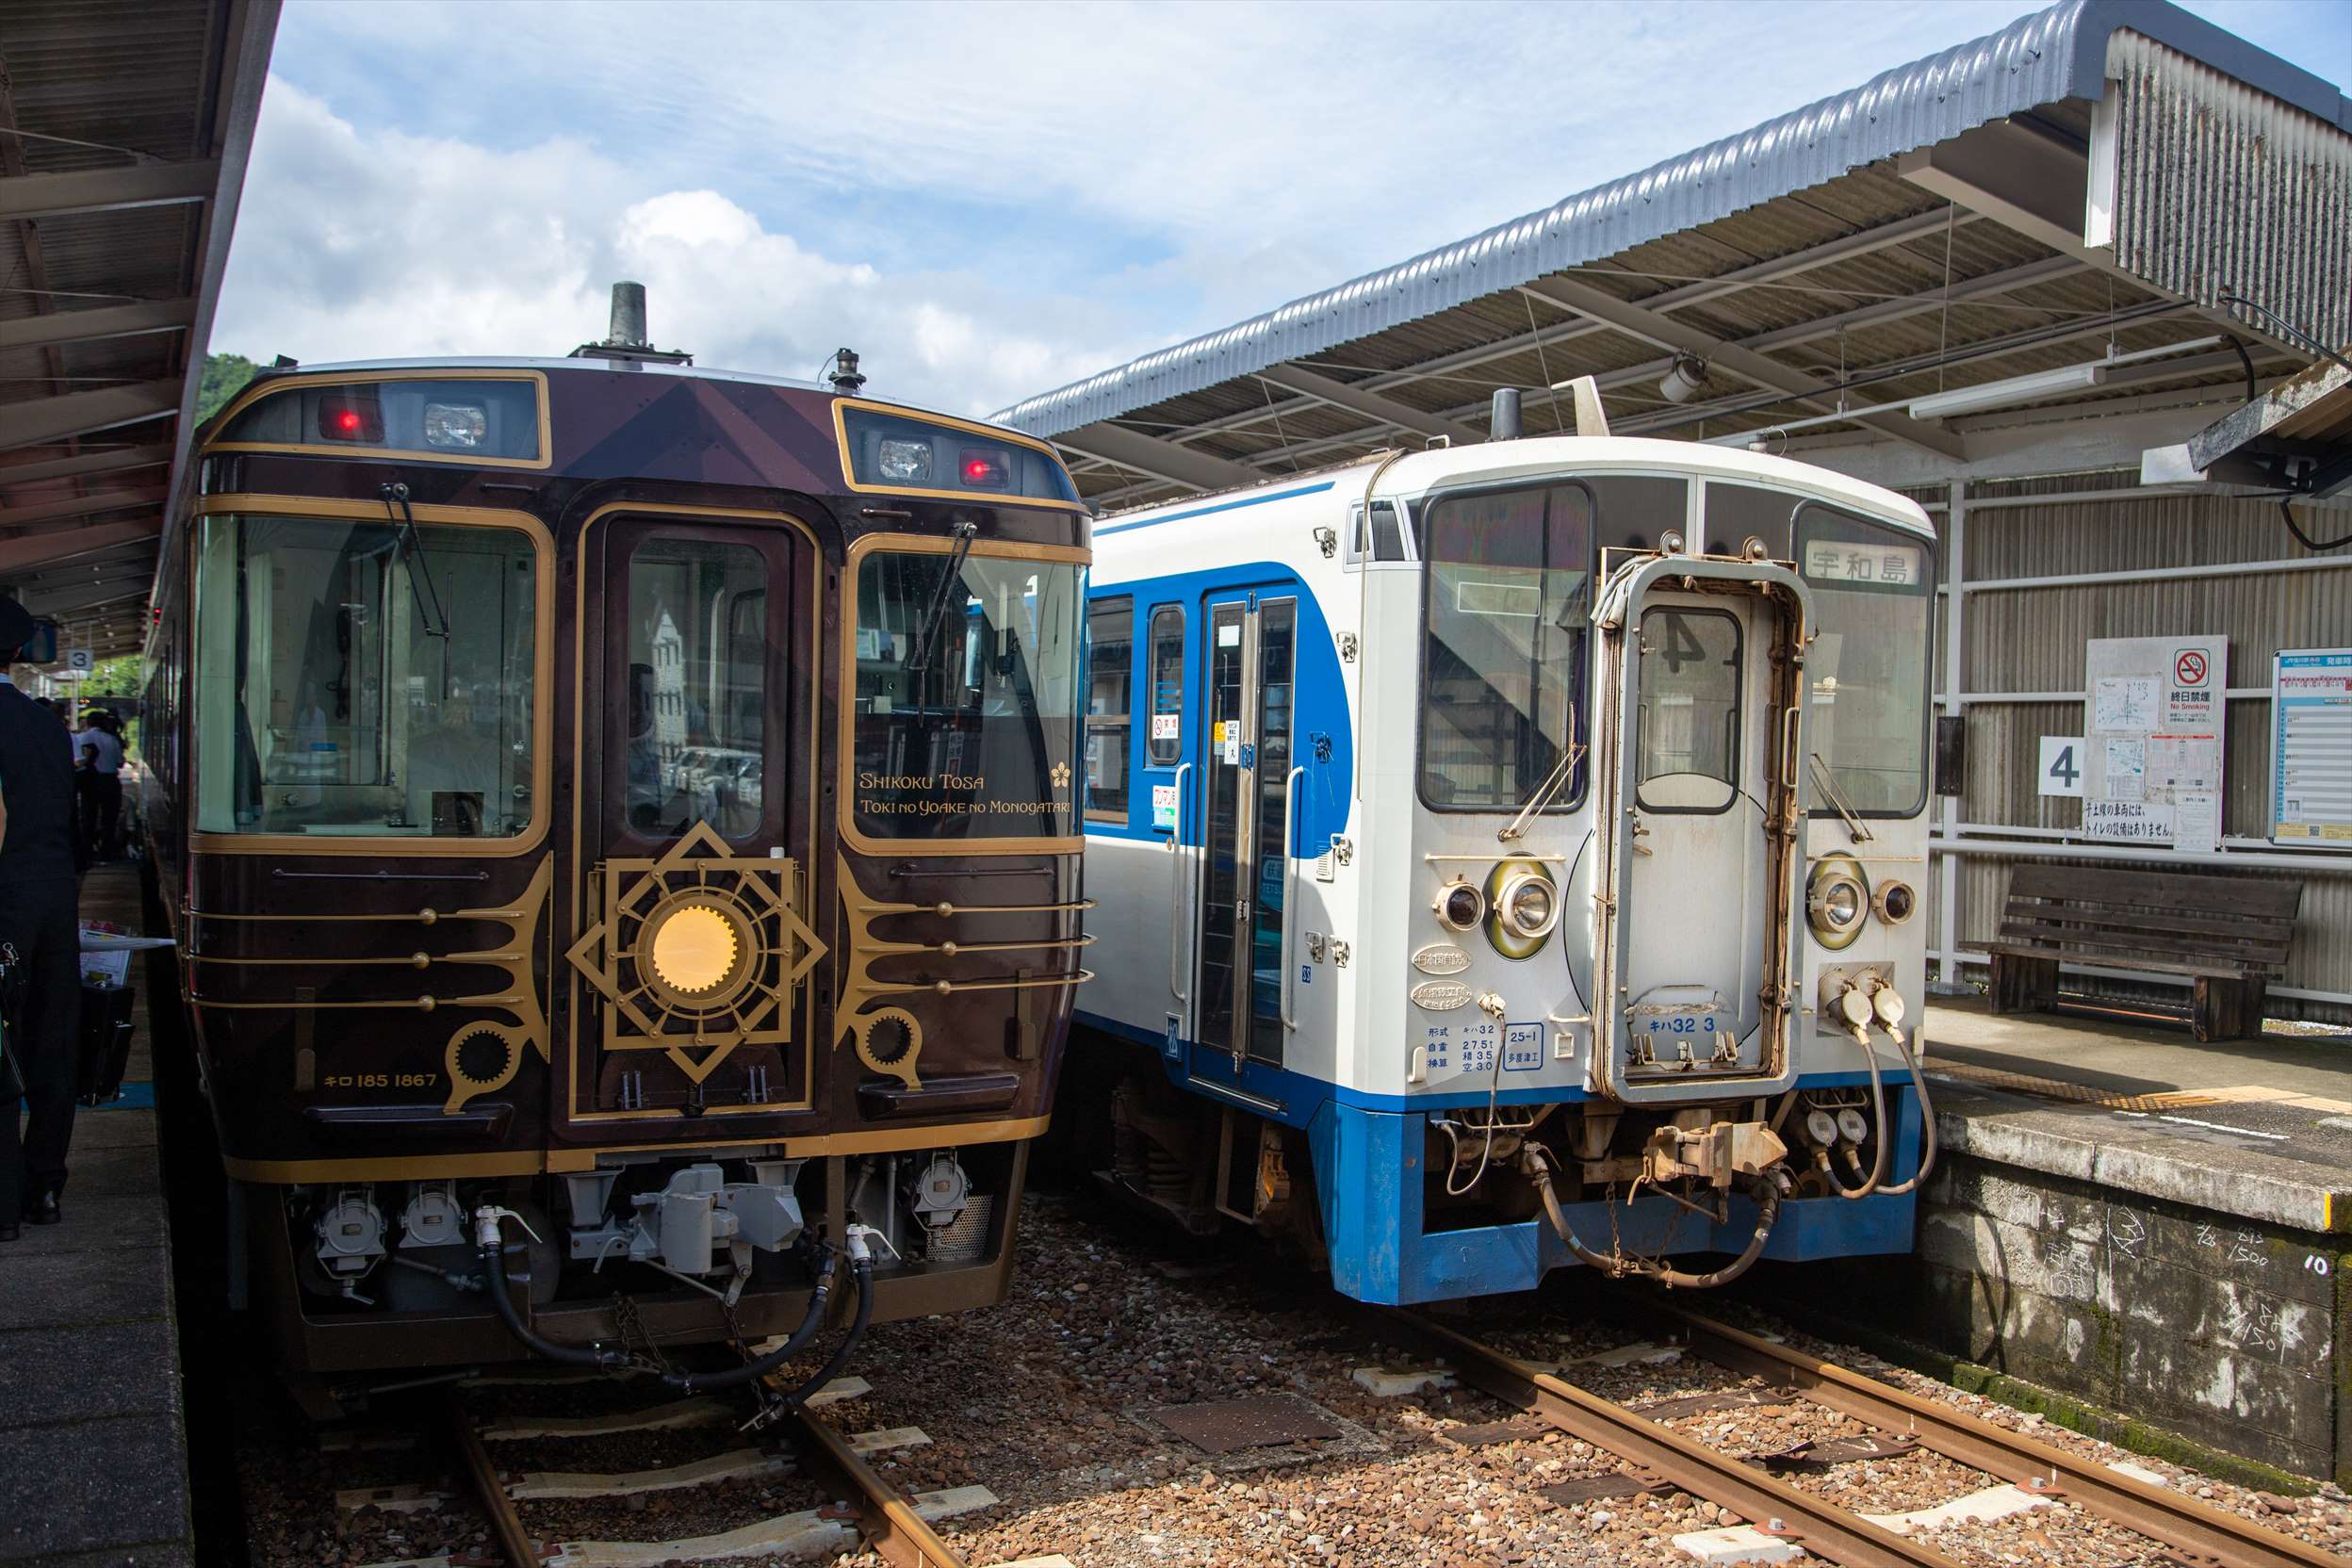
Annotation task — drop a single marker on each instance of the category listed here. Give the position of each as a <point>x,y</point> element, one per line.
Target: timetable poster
<point>2311,748</point>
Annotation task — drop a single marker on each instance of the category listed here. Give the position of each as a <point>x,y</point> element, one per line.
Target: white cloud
<point>355,243</point>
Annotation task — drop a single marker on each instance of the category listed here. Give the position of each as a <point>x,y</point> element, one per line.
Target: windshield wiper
<point>927,641</point>
<point>1854,829</point>
<point>1570,755</point>
<point>408,545</point>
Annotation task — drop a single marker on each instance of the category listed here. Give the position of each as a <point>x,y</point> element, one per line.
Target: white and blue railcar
<point>1526,878</point>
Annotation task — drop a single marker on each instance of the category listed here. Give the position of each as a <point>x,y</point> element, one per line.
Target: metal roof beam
<point>1161,460</point>
<point>1370,405</point>
<point>87,326</point>
<point>1883,237</point>
<point>69,598</point>
<point>42,549</point>
<point>1637,321</point>
<point>145,185</point>
<point>39,419</point>
<point>88,463</point>
<point>70,506</point>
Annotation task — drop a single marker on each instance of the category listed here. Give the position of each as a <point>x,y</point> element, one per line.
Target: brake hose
<point>862,1271</point>
<point>735,1377</point>
<point>1878,1127</point>
<point>1927,1117</point>
<point>1767,1211</point>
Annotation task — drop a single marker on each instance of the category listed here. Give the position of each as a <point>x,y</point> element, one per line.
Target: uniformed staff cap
<point>16,627</point>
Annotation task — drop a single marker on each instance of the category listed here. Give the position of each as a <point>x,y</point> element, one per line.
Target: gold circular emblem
<point>694,949</point>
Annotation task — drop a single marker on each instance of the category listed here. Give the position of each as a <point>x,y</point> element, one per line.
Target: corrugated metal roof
<point>2042,59</point>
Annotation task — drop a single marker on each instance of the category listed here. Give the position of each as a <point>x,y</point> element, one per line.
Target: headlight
<point>1528,905</point>
<point>1836,899</point>
<point>460,425</point>
<point>1523,905</point>
<point>1460,906</point>
<point>1895,902</point>
<point>904,462</point>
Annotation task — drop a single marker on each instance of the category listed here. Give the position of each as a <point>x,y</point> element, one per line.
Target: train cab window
<point>698,688</point>
<point>1167,743</point>
<point>1110,678</point>
<point>1689,732</point>
<point>1739,513</point>
<point>1506,587</point>
<point>964,712</point>
<point>1867,671</point>
<point>353,680</point>
<point>1388,532</point>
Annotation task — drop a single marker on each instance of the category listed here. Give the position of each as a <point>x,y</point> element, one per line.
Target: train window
<point>1689,731</point>
<point>965,708</point>
<point>890,452</point>
<point>1167,743</point>
<point>352,681</point>
<point>697,687</point>
<point>1388,532</point>
<point>1507,596</point>
<point>1636,509</point>
<point>1110,678</point>
<point>471,420</point>
<point>1873,596</point>
<point>1739,513</point>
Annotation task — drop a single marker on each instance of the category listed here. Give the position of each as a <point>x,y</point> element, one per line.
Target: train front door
<point>688,942</point>
<point>1699,786</point>
<point>1244,761</point>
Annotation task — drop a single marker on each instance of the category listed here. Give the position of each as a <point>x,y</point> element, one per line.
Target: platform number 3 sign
<point>2062,765</point>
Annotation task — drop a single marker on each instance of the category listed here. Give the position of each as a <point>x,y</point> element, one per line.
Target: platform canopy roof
<point>2096,178</point>
<point>124,128</point>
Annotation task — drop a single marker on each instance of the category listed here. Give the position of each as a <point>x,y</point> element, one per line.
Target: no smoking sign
<point>2189,668</point>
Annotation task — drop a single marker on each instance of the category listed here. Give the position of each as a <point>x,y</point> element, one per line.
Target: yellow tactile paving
<point>2089,1094</point>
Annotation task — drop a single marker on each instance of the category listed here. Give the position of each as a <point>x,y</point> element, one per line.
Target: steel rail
<point>893,1529</point>
<point>506,1524</point>
<point>1813,1523</point>
<point>2162,1514</point>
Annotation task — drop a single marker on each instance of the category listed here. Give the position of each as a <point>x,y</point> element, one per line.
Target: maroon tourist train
<point>618,822</point>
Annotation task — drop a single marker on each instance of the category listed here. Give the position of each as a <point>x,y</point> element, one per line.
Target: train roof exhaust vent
<point>628,339</point>
<point>1503,423</point>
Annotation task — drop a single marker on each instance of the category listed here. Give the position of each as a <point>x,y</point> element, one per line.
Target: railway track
<point>855,1506</point>
<point>2185,1531</point>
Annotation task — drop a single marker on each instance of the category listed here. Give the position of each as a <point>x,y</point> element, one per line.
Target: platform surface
<point>93,1460</point>
<point>2260,1128</point>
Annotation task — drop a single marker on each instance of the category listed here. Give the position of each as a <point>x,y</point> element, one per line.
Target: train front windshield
<point>1873,592</point>
<point>966,700</point>
<point>1508,595</point>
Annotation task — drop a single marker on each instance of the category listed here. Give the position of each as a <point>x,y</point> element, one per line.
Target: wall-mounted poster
<point>2152,739</point>
<point>2311,748</point>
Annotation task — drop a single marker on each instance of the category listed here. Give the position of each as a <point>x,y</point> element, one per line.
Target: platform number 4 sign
<point>2062,765</point>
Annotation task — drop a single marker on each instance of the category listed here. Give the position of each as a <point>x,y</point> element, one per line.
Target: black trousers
<point>101,810</point>
<point>39,919</point>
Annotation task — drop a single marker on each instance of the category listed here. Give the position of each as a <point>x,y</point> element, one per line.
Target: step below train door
<point>1244,759</point>
<point>1701,733</point>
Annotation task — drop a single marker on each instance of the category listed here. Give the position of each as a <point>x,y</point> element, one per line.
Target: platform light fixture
<point>2016,389</point>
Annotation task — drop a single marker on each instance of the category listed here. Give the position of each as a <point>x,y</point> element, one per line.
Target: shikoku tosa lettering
<point>923,783</point>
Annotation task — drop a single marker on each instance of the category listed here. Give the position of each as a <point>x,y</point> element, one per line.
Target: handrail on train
<point>1290,887</point>
<point>1178,969</point>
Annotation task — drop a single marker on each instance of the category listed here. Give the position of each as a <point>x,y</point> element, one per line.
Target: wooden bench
<point>2228,934</point>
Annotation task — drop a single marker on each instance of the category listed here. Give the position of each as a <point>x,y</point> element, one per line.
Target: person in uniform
<point>42,856</point>
<point>99,748</point>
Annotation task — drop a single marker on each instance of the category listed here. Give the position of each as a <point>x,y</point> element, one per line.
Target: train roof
<point>1413,474</point>
<point>627,366</point>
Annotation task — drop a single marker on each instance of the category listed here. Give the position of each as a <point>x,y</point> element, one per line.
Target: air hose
<point>1927,1115</point>
<point>862,1271</point>
<point>493,1249</point>
<point>1878,1126</point>
<point>1767,1196</point>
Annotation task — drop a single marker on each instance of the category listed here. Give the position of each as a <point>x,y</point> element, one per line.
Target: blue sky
<point>985,200</point>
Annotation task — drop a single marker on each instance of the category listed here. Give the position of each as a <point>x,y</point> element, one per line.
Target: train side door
<point>1244,758</point>
<point>1700,785</point>
<point>690,945</point>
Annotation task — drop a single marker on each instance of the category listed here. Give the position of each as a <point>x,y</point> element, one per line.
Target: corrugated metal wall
<point>2221,189</point>
<point>2030,640</point>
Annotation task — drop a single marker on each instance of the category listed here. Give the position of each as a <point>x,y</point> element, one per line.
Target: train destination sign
<point>1842,561</point>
